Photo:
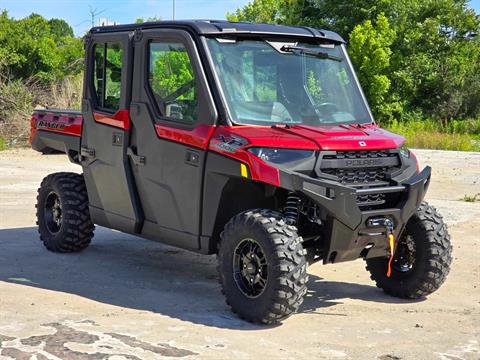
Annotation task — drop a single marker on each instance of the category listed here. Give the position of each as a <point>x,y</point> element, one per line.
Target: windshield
<point>267,83</point>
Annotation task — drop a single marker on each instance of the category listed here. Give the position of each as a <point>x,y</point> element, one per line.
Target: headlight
<point>403,150</point>
<point>280,156</point>
<point>407,154</point>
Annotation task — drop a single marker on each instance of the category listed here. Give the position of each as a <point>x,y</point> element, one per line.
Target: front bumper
<point>347,236</point>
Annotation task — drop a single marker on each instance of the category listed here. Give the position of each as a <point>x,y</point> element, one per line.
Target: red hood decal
<point>331,137</point>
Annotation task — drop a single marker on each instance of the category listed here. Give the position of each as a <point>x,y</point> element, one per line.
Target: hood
<point>328,137</point>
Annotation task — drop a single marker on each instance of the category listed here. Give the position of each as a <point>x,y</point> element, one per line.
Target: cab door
<point>173,115</point>
<point>106,133</point>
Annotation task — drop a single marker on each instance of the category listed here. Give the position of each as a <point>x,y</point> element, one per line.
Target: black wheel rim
<point>53,213</point>
<point>250,268</point>
<point>404,259</point>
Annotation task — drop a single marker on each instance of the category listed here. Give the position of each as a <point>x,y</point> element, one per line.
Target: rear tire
<point>278,273</point>
<point>63,217</point>
<point>431,259</point>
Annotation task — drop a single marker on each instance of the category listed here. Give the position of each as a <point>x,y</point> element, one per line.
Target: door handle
<point>137,160</point>
<point>192,157</point>
<point>86,153</point>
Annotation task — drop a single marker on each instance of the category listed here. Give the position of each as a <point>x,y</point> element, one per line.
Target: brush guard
<point>348,234</point>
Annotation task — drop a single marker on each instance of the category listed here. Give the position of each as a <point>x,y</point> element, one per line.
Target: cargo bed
<point>57,130</point>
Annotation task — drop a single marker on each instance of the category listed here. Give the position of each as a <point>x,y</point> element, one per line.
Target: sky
<point>77,12</point>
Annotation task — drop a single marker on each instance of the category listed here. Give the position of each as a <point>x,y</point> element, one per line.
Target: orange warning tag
<point>391,241</point>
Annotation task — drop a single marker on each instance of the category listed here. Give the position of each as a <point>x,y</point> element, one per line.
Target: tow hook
<point>388,224</point>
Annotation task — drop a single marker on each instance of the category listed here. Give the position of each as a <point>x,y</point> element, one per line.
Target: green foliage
<point>315,88</point>
<point>370,50</point>
<point>435,65</point>
<point>463,135</point>
<point>60,29</point>
<point>471,198</point>
<point>113,76</point>
<point>3,144</point>
<point>149,19</point>
<point>40,65</point>
<point>412,56</point>
<point>39,49</point>
<point>467,126</point>
<point>258,11</point>
<point>172,70</point>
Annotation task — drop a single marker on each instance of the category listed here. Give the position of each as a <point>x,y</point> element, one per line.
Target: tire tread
<point>437,260</point>
<point>79,229</point>
<point>290,264</point>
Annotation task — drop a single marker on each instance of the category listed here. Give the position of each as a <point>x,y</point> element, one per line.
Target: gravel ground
<point>128,298</point>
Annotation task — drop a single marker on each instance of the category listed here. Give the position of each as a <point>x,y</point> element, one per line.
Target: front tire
<point>63,217</point>
<point>262,266</point>
<point>422,257</point>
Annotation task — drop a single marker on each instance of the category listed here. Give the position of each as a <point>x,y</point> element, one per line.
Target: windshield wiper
<point>307,51</point>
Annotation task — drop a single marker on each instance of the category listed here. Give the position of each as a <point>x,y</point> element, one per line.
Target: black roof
<point>223,27</point>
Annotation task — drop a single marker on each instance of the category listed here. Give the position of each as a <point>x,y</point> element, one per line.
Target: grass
<point>462,135</point>
<point>3,144</point>
<point>471,198</point>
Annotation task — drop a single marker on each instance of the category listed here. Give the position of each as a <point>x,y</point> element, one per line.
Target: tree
<point>149,19</point>
<point>370,50</point>
<point>259,11</point>
<point>172,70</point>
<point>30,48</point>
<point>60,28</point>
<point>433,56</point>
<point>430,66</point>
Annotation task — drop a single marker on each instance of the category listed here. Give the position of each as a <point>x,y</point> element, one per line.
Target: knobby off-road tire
<point>433,256</point>
<point>68,227</point>
<point>285,264</point>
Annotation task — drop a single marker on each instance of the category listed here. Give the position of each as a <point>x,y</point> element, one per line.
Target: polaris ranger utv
<point>250,141</point>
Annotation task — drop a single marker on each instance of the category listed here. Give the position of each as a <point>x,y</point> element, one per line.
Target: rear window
<point>107,75</point>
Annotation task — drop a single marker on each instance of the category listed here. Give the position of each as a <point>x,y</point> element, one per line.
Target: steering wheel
<point>328,107</point>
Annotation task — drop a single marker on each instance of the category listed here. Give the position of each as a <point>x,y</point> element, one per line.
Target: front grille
<point>358,176</point>
<point>361,169</point>
<point>360,154</point>
<point>370,200</point>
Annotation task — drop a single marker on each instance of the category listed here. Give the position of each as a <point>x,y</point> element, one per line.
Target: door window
<point>172,81</point>
<point>107,75</point>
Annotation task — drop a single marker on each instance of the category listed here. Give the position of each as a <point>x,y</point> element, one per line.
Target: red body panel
<point>258,169</point>
<point>67,124</point>
<point>198,137</point>
<point>334,137</point>
<point>266,136</point>
<point>70,124</point>
<point>341,137</point>
<point>120,119</point>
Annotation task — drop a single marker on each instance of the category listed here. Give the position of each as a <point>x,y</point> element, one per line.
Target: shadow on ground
<point>133,273</point>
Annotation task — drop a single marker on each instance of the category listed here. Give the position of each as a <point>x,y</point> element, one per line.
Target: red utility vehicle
<point>250,141</point>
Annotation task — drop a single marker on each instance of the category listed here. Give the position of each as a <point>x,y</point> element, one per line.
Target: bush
<point>40,65</point>
<point>15,108</point>
<point>18,99</point>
